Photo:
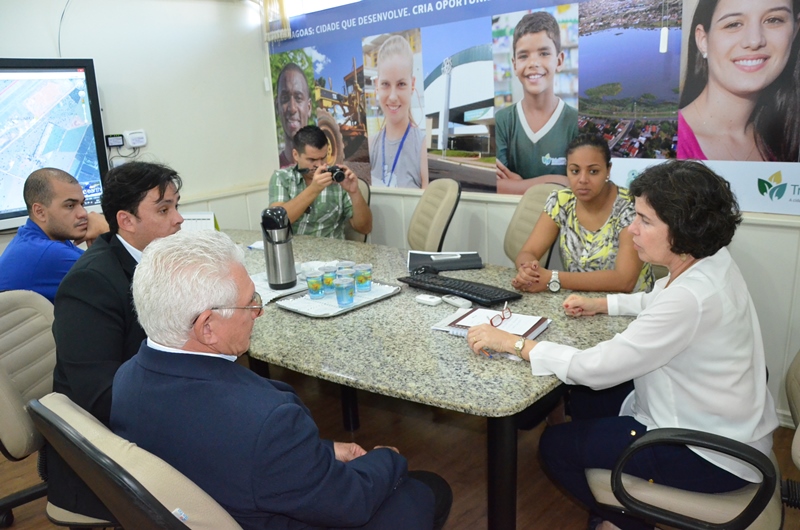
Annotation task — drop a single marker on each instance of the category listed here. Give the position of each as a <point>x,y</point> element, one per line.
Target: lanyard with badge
<point>388,176</point>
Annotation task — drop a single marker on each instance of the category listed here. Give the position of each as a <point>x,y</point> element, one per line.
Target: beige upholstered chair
<point>432,215</point>
<point>756,506</point>
<point>790,490</point>
<point>27,358</point>
<point>660,271</point>
<point>349,233</point>
<point>719,508</point>
<point>141,490</point>
<point>528,210</point>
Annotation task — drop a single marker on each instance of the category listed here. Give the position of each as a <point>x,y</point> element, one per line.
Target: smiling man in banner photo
<point>293,107</point>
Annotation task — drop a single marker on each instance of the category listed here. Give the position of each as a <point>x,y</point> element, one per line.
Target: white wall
<point>191,73</point>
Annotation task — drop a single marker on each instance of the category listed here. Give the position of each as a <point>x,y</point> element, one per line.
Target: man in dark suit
<point>95,326</point>
<point>249,442</point>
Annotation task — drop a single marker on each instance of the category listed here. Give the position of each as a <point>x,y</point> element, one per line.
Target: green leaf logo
<point>777,192</point>
<point>774,186</point>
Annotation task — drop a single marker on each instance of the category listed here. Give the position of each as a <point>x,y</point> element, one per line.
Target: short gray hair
<point>179,277</point>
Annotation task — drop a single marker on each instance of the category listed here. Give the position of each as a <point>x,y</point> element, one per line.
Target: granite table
<point>388,348</point>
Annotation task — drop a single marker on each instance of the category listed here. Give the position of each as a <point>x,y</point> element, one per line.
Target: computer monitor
<point>49,117</point>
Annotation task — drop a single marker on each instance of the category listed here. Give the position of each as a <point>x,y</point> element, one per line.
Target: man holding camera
<point>318,199</point>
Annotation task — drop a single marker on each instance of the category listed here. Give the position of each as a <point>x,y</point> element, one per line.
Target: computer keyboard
<point>479,293</point>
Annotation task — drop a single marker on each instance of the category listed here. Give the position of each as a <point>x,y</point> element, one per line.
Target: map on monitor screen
<point>47,119</point>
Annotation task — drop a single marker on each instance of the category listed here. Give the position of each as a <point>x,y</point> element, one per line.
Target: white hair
<point>179,277</point>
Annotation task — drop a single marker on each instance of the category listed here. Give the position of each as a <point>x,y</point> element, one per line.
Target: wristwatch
<point>554,285</point>
<point>518,346</point>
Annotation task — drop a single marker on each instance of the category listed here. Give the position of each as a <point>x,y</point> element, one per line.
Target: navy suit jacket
<point>96,330</point>
<point>252,445</point>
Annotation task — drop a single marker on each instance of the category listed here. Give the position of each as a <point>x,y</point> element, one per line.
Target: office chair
<point>756,506</point>
<point>432,216</point>
<point>27,359</point>
<point>659,271</point>
<point>528,211</point>
<point>790,489</point>
<point>764,510</point>
<point>141,490</point>
<point>349,233</point>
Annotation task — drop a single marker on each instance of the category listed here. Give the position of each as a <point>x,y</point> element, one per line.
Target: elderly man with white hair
<point>247,441</point>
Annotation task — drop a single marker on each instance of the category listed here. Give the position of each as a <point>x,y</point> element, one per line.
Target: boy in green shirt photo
<point>532,135</point>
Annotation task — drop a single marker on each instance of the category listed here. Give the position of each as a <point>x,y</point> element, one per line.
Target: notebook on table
<point>527,326</point>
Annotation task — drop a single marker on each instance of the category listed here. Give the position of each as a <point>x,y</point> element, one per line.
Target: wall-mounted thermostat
<point>114,140</point>
<point>135,138</point>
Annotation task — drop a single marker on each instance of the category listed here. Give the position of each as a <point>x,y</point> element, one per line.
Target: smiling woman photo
<point>740,100</point>
<point>397,153</point>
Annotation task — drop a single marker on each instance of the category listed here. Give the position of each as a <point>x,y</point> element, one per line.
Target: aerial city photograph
<point>620,39</point>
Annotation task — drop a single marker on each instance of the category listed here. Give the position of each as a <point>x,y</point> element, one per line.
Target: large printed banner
<point>370,17</point>
<point>491,92</point>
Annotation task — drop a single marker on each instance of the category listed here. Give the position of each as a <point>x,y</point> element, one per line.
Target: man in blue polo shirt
<point>42,252</point>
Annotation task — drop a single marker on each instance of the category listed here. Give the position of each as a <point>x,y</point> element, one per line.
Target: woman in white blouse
<point>694,352</point>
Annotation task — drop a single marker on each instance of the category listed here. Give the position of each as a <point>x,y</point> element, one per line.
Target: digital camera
<point>337,173</point>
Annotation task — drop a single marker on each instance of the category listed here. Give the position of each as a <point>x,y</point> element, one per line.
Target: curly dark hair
<point>696,204</point>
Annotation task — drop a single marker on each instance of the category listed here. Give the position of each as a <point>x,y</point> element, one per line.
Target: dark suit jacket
<point>252,445</point>
<point>96,330</point>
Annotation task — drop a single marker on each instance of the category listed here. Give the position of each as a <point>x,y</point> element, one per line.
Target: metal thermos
<point>277,232</point>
